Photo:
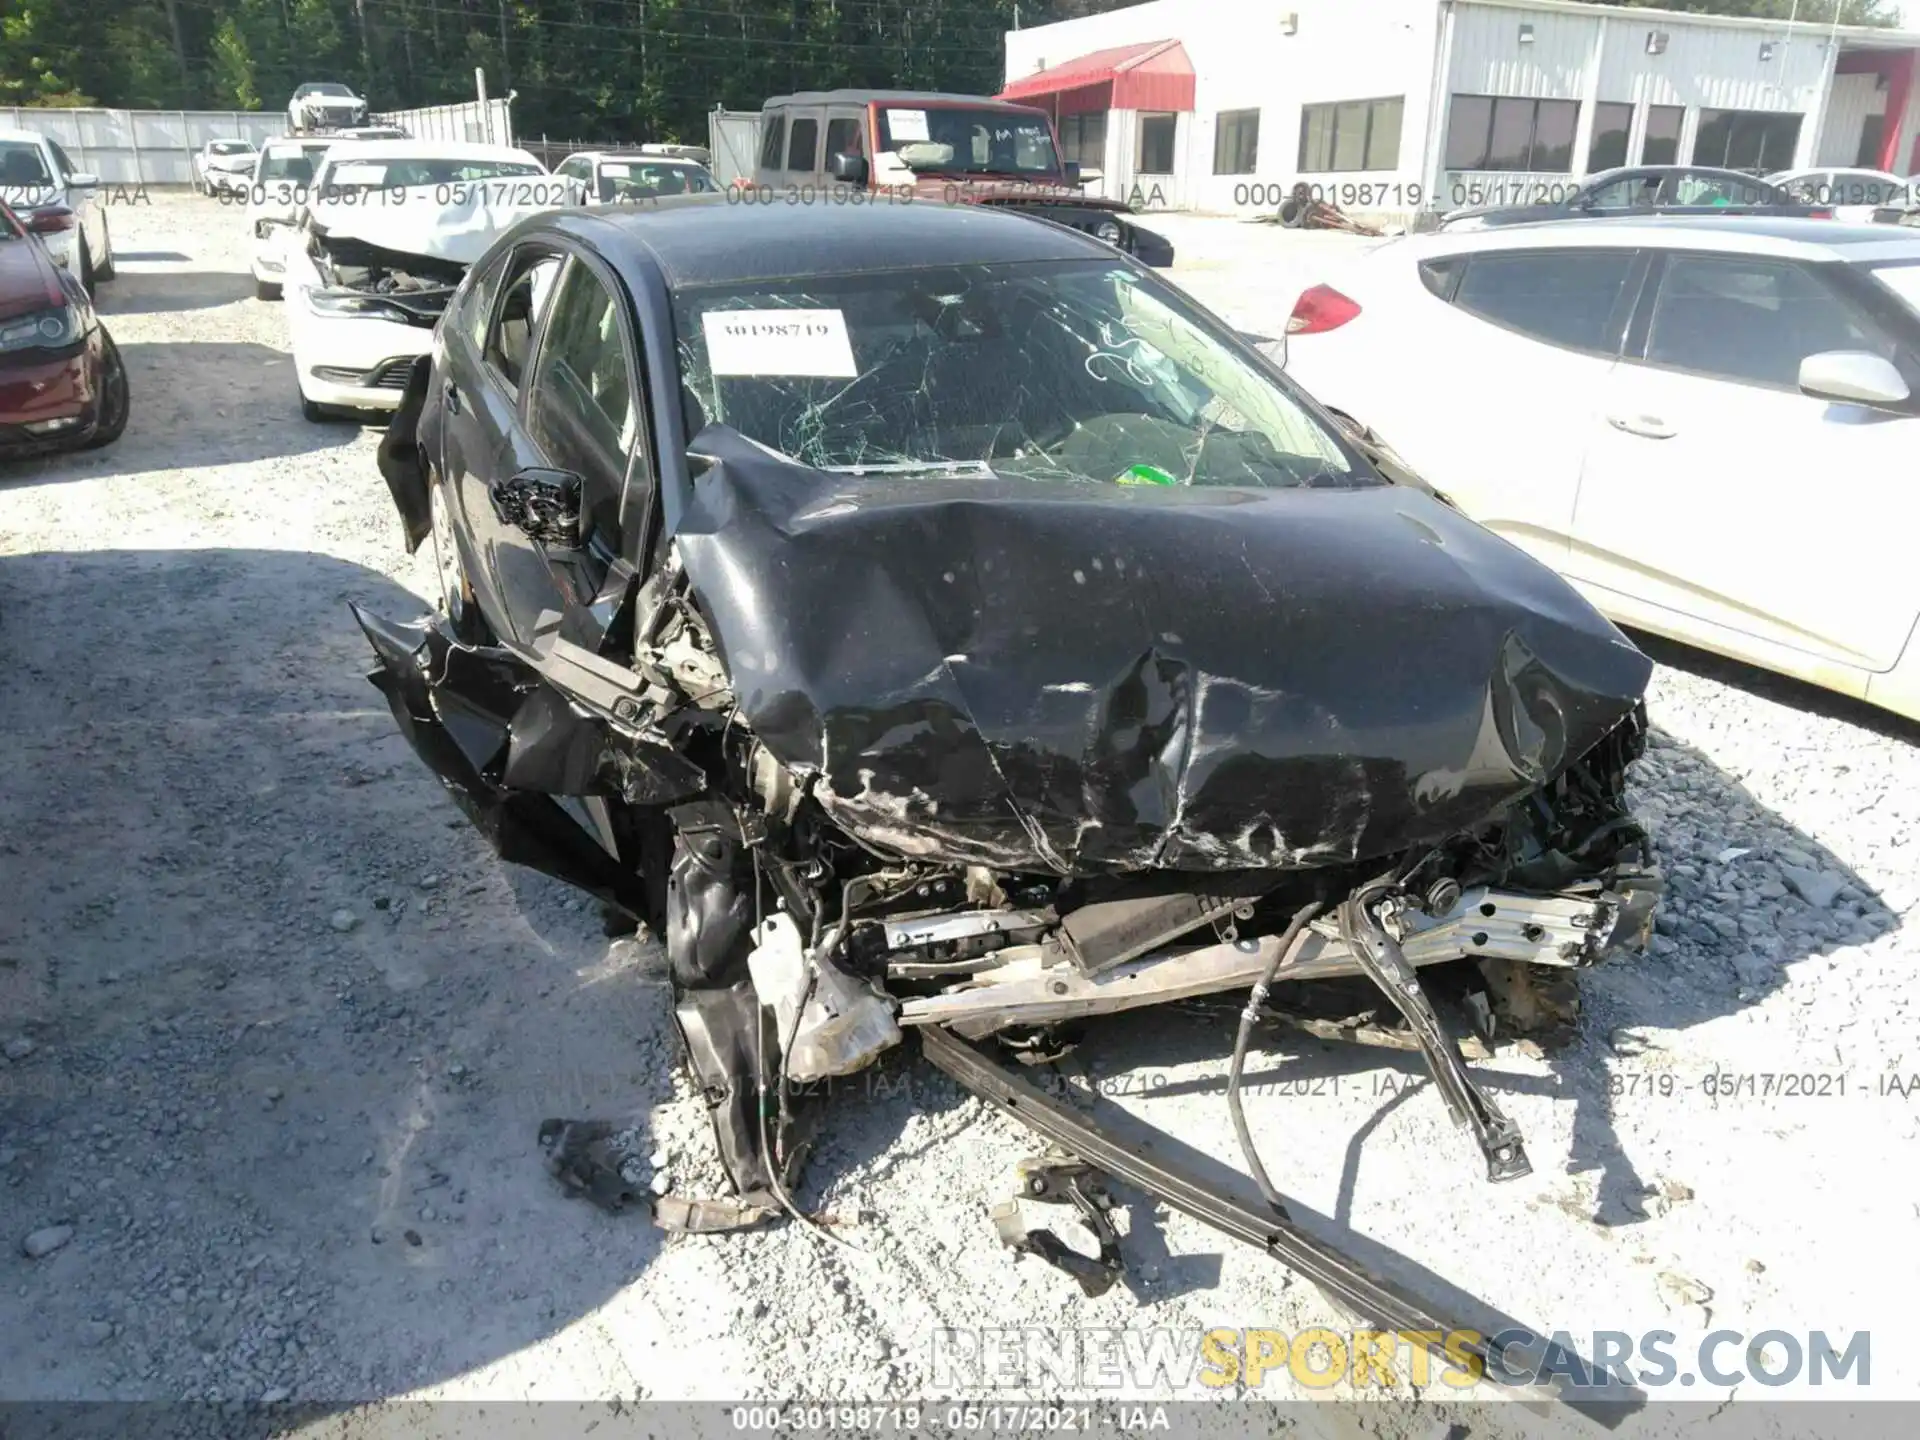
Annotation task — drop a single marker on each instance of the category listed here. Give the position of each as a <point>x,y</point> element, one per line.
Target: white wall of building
<point>1246,55</point>
<point>1243,59</point>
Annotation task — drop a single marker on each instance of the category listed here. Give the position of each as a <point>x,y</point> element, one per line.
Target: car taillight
<point>1320,309</point>
<point>47,222</point>
<point>1820,215</point>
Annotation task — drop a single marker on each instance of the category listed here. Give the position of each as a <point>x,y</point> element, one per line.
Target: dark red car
<point>63,385</point>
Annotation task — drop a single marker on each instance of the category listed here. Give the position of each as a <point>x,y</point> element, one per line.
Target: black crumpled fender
<point>402,464</point>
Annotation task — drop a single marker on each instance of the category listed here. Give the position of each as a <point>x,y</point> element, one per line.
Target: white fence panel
<point>142,147</point>
<point>733,140</point>
<point>489,124</point>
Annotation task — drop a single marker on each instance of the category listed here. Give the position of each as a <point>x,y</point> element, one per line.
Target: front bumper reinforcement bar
<point>1367,1298</point>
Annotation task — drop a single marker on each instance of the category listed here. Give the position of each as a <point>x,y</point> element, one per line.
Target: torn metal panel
<point>1088,678</point>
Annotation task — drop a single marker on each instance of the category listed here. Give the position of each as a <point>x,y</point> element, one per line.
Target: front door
<point>1716,492</point>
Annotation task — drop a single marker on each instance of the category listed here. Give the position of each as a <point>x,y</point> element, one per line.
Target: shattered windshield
<point>1081,371</point>
<point>969,142</point>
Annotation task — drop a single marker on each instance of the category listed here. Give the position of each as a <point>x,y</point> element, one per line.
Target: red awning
<point>1154,76</point>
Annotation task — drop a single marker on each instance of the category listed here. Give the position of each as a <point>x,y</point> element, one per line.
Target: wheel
<point>114,402</point>
<point>314,411</point>
<point>86,266</point>
<point>104,269</point>
<point>457,600</point>
<point>265,290</point>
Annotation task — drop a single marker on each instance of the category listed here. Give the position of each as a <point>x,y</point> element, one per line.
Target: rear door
<point>1723,502</point>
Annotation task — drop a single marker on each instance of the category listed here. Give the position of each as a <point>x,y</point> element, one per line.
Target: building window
<point>1608,147</point>
<point>1083,139</point>
<point>1756,140</point>
<point>1504,132</point>
<point>1155,155</point>
<point>1236,142</point>
<point>1351,135</point>
<point>1662,143</point>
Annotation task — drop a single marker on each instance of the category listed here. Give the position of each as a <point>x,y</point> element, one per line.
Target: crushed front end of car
<point>1002,761</point>
<point>985,759</point>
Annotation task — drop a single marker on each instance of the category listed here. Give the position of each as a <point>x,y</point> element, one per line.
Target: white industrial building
<point>1397,105</point>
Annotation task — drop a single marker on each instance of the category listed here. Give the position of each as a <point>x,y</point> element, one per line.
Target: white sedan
<point>1853,194</point>
<point>282,177</point>
<point>1708,425</point>
<point>221,165</point>
<point>387,231</point>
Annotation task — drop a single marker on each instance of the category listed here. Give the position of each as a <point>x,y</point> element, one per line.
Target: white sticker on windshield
<point>907,125</point>
<point>779,342</point>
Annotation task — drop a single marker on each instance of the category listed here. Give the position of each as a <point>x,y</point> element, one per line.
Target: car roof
<point>652,157</point>
<point>426,150</point>
<point>1601,176</point>
<point>1791,236</point>
<point>1780,175</point>
<point>711,239</point>
<point>863,97</point>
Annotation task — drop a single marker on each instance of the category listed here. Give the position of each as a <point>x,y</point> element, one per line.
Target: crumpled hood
<point>422,220</point>
<point>1086,678</point>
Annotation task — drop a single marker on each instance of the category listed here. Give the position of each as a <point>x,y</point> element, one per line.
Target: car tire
<point>115,405</point>
<point>87,277</point>
<point>265,290</point>
<point>457,600</point>
<point>315,413</point>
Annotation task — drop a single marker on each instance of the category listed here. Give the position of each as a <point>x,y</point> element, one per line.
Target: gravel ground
<point>279,1030</point>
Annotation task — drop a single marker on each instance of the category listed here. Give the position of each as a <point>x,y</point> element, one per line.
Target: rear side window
<point>772,141</point>
<point>1752,321</point>
<point>1559,297</point>
<point>803,140</point>
<point>1440,276</point>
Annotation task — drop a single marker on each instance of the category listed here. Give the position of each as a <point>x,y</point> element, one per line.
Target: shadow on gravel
<point>195,404</point>
<point>1781,689</point>
<point>292,1030</point>
<point>162,292</point>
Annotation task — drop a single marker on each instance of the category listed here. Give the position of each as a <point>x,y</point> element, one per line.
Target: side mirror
<point>1856,377</point>
<point>543,504</point>
<point>850,169</point>
<point>84,180</point>
<point>1072,171</point>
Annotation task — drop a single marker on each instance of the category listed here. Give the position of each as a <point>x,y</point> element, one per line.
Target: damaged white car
<point>282,180</point>
<point>386,232</point>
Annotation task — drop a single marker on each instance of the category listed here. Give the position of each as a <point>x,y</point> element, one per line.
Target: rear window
<point>1561,297</point>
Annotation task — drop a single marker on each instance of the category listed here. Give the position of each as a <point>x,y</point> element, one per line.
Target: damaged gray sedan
<point>930,623</point>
